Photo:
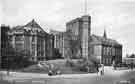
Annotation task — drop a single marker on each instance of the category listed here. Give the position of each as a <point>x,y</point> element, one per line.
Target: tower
<point>86,32</point>
<point>105,35</point>
<point>81,29</point>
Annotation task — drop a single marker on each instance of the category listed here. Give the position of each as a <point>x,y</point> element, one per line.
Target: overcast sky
<point>116,16</point>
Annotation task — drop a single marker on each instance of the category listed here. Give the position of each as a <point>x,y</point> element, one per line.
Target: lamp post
<point>7,67</point>
<point>113,57</point>
<point>131,64</point>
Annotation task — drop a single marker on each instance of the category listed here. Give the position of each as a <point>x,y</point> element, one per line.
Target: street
<point>110,77</point>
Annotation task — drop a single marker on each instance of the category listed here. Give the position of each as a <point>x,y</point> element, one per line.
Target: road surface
<point>110,77</point>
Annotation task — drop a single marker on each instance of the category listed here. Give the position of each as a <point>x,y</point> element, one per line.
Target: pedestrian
<point>102,69</point>
<point>101,72</point>
<point>97,68</point>
<point>132,66</point>
<point>88,69</point>
<point>114,66</point>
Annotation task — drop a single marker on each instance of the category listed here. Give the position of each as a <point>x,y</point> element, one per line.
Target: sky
<point>116,16</point>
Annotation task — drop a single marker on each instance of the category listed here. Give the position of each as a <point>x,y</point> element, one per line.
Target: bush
<point>19,60</point>
<point>57,55</point>
<point>15,62</point>
<point>70,63</point>
<point>83,65</point>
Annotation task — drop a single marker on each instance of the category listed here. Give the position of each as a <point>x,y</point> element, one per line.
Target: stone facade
<point>80,32</point>
<point>62,42</point>
<point>32,38</point>
<point>78,42</point>
<point>58,41</point>
<point>106,50</point>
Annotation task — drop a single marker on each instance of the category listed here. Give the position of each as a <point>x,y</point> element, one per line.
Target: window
<point>19,46</point>
<point>33,39</point>
<point>18,38</point>
<point>105,50</point>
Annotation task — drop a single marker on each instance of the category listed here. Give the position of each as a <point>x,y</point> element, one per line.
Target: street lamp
<point>7,67</point>
<point>113,56</point>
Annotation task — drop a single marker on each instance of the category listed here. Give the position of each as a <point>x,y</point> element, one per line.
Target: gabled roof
<point>33,24</point>
<point>101,40</point>
<point>30,25</point>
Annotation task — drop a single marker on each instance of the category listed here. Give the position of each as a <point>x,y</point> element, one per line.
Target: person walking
<point>131,65</point>
<point>97,68</point>
<point>102,69</point>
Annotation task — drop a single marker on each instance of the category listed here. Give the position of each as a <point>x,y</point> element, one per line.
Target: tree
<point>131,56</point>
<point>21,59</point>
<point>57,54</point>
<point>87,65</point>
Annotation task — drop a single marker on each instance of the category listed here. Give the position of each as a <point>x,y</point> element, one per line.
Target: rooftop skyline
<point>116,16</point>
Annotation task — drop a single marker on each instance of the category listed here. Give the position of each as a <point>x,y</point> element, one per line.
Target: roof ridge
<point>34,24</point>
<point>100,38</point>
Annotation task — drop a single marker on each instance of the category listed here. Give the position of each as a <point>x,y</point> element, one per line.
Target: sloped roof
<point>101,40</point>
<point>33,24</point>
<point>17,27</point>
<point>55,32</point>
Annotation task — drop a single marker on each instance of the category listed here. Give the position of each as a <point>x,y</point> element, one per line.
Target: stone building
<point>33,39</point>
<point>58,40</point>
<point>106,50</point>
<point>61,42</point>
<point>80,30</point>
<point>79,42</point>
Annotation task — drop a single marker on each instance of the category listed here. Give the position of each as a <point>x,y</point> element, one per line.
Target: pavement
<point>110,77</point>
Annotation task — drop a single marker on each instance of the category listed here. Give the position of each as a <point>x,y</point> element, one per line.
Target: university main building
<point>75,43</point>
<point>78,42</point>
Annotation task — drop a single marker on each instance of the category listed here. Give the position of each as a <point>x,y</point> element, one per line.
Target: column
<point>30,45</point>
<point>23,41</point>
<point>55,41</point>
<point>13,41</point>
<point>35,57</point>
<point>63,51</point>
<point>44,48</point>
